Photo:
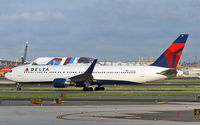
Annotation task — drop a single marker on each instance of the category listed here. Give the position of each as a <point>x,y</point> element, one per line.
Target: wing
<point>86,76</point>
<point>80,80</point>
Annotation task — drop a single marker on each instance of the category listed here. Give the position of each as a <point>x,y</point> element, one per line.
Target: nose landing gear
<point>19,87</point>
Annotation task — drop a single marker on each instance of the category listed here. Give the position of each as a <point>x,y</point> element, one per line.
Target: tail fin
<point>171,56</point>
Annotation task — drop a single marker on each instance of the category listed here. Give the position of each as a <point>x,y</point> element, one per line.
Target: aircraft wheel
<point>99,89</point>
<point>90,89</point>
<point>102,88</point>
<point>85,89</point>
<point>96,88</point>
<point>19,88</point>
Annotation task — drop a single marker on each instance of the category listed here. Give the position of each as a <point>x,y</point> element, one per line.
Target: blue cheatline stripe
<point>72,60</point>
<point>174,57</point>
<point>101,81</point>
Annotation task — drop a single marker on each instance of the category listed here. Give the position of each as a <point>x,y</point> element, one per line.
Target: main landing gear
<point>91,89</point>
<point>99,88</point>
<point>87,89</point>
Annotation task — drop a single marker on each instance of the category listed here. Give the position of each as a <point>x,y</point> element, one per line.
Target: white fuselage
<point>44,73</point>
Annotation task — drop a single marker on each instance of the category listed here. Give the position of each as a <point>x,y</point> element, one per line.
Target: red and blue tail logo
<point>171,56</point>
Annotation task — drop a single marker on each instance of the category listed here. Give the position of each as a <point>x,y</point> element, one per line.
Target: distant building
<point>8,63</point>
<point>194,66</point>
<point>147,59</point>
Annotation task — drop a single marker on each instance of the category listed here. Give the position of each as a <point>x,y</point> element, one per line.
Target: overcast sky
<point>112,29</point>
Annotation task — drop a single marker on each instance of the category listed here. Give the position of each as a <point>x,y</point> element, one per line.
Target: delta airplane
<point>97,75</point>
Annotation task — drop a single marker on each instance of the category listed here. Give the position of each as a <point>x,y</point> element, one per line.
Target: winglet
<point>171,56</point>
<point>91,67</point>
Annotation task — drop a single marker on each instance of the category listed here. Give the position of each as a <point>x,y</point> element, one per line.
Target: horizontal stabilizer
<point>169,73</point>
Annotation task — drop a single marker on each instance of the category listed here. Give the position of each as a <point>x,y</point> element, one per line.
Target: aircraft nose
<point>7,75</point>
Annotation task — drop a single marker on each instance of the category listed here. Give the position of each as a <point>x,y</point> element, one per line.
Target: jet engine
<point>61,83</point>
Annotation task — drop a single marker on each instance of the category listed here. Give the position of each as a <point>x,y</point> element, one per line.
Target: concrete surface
<point>99,115</point>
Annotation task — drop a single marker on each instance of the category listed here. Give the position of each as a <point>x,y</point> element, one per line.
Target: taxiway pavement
<point>99,115</point>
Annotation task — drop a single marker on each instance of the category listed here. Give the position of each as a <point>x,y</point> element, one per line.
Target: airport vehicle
<point>97,75</point>
<point>3,71</point>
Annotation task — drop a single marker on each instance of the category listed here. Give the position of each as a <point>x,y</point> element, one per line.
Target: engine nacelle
<point>60,83</point>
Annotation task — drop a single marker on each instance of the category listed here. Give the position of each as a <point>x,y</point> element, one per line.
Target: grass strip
<point>172,83</point>
<point>43,89</point>
<point>56,95</point>
<point>151,89</point>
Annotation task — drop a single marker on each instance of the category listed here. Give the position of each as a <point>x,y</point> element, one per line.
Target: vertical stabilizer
<point>171,56</point>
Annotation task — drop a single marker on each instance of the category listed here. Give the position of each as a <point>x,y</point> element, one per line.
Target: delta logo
<point>26,70</point>
<point>36,69</point>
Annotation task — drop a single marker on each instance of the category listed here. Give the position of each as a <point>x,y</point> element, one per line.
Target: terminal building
<point>9,63</point>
